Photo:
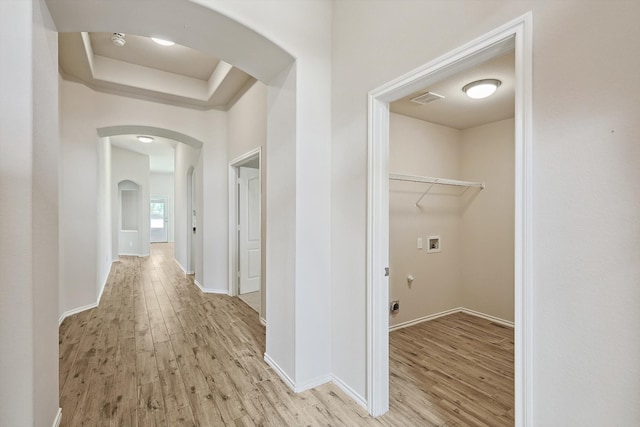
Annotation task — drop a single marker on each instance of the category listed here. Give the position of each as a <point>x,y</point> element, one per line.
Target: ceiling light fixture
<point>145,139</point>
<point>118,39</point>
<point>162,42</point>
<point>481,88</point>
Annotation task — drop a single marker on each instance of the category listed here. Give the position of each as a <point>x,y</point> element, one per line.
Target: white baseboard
<point>349,392</point>
<point>296,388</point>
<point>210,291</point>
<point>283,376</point>
<point>75,311</point>
<point>488,317</point>
<point>58,419</point>
<point>86,307</point>
<point>451,311</point>
<point>182,268</point>
<point>424,319</point>
<point>314,382</point>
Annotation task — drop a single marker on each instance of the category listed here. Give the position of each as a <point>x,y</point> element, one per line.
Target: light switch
<point>419,242</point>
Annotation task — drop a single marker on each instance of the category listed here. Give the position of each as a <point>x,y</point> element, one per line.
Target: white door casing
<point>515,34</point>
<point>249,229</point>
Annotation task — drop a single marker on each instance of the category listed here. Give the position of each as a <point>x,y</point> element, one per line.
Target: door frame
<point>517,35</point>
<point>165,199</point>
<point>233,215</point>
<point>190,268</point>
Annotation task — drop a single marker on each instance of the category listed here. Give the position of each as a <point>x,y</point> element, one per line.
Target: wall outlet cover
<point>434,244</point>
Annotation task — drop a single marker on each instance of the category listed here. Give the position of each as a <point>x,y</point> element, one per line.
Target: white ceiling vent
<point>426,98</point>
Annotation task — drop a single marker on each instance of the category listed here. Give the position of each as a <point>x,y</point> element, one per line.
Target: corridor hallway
<point>159,352</point>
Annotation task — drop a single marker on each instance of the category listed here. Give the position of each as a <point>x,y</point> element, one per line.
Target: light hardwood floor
<point>159,352</point>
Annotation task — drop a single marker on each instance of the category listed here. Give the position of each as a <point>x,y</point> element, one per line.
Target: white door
<point>159,219</point>
<point>249,230</point>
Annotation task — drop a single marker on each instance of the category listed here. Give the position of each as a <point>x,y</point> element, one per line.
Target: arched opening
<point>187,150</point>
<point>130,220</point>
<point>191,226</point>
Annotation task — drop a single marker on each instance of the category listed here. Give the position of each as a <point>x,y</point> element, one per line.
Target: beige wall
<point>417,147</point>
<point>474,269</point>
<point>487,222</point>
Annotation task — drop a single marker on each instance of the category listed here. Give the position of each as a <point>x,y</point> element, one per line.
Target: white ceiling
<point>143,51</point>
<point>457,110</point>
<point>143,69</point>
<point>160,151</point>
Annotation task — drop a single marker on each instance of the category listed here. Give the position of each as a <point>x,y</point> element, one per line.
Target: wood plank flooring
<point>158,352</point>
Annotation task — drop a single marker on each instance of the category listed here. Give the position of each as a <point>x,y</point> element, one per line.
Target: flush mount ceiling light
<point>481,88</point>
<point>162,42</point>
<point>118,39</point>
<point>145,139</point>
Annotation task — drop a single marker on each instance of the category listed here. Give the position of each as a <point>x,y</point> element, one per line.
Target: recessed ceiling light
<point>162,42</point>
<point>145,139</point>
<point>481,88</point>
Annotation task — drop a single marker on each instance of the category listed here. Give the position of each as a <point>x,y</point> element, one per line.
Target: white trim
<point>290,383</point>
<point>424,319</point>
<point>231,219</point>
<point>283,376</point>
<point>58,418</point>
<point>182,268</point>
<point>75,311</point>
<point>210,291</point>
<point>263,321</point>
<point>349,391</point>
<point>377,259</point>
<point>316,382</point>
<point>488,317</point>
<point>90,306</point>
<point>515,34</point>
<point>448,312</point>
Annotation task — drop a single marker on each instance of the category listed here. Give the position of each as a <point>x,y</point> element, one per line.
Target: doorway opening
<point>451,248</point>
<point>159,221</point>
<point>191,222</point>
<point>515,36</point>
<point>245,230</point>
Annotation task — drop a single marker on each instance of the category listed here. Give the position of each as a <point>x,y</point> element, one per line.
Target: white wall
<point>28,215</point>
<point>417,147</point>
<point>162,184</point>
<point>129,166</point>
<point>298,177</point>
<point>488,219</point>
<point>105,236</point>
<point>246,131</point>
<point>186,157</point>
<point>585,186</point>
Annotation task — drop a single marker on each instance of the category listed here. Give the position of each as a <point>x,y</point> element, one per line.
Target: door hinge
<point>386,272</point>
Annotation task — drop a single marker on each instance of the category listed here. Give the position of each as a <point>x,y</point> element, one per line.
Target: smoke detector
<point>118,39</point>
<point>426,98</point>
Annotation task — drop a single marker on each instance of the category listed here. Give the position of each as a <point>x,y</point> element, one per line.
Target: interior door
<point>249,230</point>
<point>159,219</point>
